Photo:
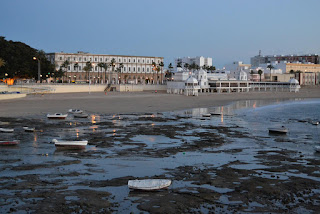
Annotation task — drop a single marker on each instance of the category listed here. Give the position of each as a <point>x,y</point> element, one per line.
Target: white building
<point>136,69</point>
<point>235,68</point>
<point>199,60</point>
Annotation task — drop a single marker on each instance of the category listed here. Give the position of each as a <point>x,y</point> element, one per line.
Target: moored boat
<point>149,184</point>
<point>215,114</point>
<point>206,115</point>
<point>317,148</point>
<point>70,144</point>
<point>80,115</point>
<point>75,111</point>
<point>28,129</point>
<point>9,142</point>
<point>6,130</point>
<point>278,130</point>
<point>57,116</point>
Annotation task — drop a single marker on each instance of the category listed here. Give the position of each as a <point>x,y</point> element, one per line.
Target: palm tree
<point>76,66</point>
<point>161,66</point>
<point>260,73</point>
<point>186,66</point>
<point>65,65</point>
<point>87,68</point>
<point>119,70</point>
<point>2,62</point>
<point>113,64</point>
<point>270,67</point>
<point>179,64</point>
<point>291,71</point>
<point>154,69</point>
<point>105,67</point>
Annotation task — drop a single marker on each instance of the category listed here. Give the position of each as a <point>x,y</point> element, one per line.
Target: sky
<point>226,30</point>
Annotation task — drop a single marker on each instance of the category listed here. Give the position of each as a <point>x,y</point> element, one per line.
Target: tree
<point>87,68</point>
<point>65,65</point>
<point>270,67</point>
<point>260,73</point>
<point>154,69</point>
<point>76,67</point>
<point>291,71</point>
<point>119,70</point>
<point>186,66</point>
<point>113,64</point>
<point>179,65</point>
<point>105,67</point>
<point>2,62</point>
<point>161,66</point>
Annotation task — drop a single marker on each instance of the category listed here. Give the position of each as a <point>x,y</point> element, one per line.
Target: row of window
<point>97,68</point>
<point>101,60</point>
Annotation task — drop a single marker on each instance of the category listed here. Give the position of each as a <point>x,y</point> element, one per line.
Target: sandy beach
<point>134,102</point>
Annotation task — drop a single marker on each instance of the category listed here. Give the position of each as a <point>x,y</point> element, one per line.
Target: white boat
<point>315,123</point>
<point>6,130</point>
<point>28,129</point>
<point>75,111</point>
<point>278,130</point>
<point>149,184</point>
<point>57,116</point>
<point>70,144</point>
<point>317,148</point>
<point>80,115</point>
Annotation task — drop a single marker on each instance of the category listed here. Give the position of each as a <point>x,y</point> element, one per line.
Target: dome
<point>293,81</point>
<point>191,80</point>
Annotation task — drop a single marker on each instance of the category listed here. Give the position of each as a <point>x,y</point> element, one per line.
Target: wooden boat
<point>57,116</point>
<point>75,111</point>
<point>149,184</point>
<point>28,129</point>
<point>6,130</point>
<point>9,142</point>
<point>206,115</point>
<point>280,130</point>
<point>70,144</point>
<point>317,148</point>
<point>80,115</point>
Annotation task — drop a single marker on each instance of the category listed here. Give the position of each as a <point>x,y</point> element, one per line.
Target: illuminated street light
<point>39,70</point>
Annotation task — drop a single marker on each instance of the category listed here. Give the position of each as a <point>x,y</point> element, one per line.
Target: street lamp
<point>35,58</point>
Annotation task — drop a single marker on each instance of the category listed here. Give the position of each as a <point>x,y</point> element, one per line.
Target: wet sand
<point>215,168</point>
<point>135,102</point>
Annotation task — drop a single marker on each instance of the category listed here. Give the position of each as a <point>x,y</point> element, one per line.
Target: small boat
<point>57,116</point>
<point>206,115</point>
<point>149,184</point>
<point>28,129</point>
<point>6,130</point>
<point>80,115</point>
<point>216,114</point>
<point>315,123</point>
<point>70,144</point>
<point>9,142</point>
<point>317,148</point>
<point>75,111</point>
<point>280,130</point>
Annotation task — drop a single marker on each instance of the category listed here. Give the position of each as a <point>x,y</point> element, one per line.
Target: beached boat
<point>80,115</point>
<point>278,130</point>
<point>206,115</point>
<point>317,148</point>
<point>215,114</point>
<point>28,129</point>
<point>6,130</point>
<point>70,144</point>
<point>149,184</point>
<point>75,111</point>
<point>9,142</point>
<point>57,116</point>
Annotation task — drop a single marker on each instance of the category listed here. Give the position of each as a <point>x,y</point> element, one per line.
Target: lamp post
<point>39,70</point>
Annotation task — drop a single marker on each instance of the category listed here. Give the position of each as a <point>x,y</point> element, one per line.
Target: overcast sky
<point>226,30</point>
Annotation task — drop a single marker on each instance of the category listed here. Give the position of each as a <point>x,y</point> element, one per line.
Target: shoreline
<point>135,102</point>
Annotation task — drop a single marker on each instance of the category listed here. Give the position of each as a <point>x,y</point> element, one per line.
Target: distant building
<point>235,68</point>
<point>136,69</point>
<point>199,60</point>
<point>308,58</point>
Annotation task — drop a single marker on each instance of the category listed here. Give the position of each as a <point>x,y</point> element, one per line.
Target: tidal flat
<point>224,163</point>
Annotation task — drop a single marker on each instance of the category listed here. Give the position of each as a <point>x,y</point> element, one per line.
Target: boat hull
<point>149,184</point>
<point>9,143</point>
<point>275,131</point>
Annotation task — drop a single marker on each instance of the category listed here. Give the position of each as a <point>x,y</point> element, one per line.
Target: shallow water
<point>156,145</point>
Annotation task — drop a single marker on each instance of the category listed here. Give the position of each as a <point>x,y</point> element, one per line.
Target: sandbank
<point>134,102</point>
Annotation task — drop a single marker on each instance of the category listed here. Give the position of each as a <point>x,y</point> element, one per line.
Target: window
<point>125,60</point>
<point>134,60</point>
<point>96,68</point>
<point>100,59</point>
<point>129,60</point>
<point>90,59</point>
<point>138,60</point>
<point>79,68</point>
<point>95,59</point>
<point>68,58</point>
<point>85,59</point>
<point>119,60</point>
<point>147,61</point>
<point>74,59</point>
<point>106,59</point>
<point>139,69</point>
<point>129,68</point>
<point>134,69</point>
<point>142,69</point>
<point>79,58</point>
<point>142,61</point>
<point>147,69</point>
<point>124,69</point>
<point>60,58</point>
<point>68,67</point>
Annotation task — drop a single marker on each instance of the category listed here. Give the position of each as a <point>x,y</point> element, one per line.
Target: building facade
<point>199,60</point>
<point>308,58</point>
<point>126,69</point>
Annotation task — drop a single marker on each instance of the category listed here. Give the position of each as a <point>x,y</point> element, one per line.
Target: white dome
<point>191,80</point>
<point>293,81</point>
